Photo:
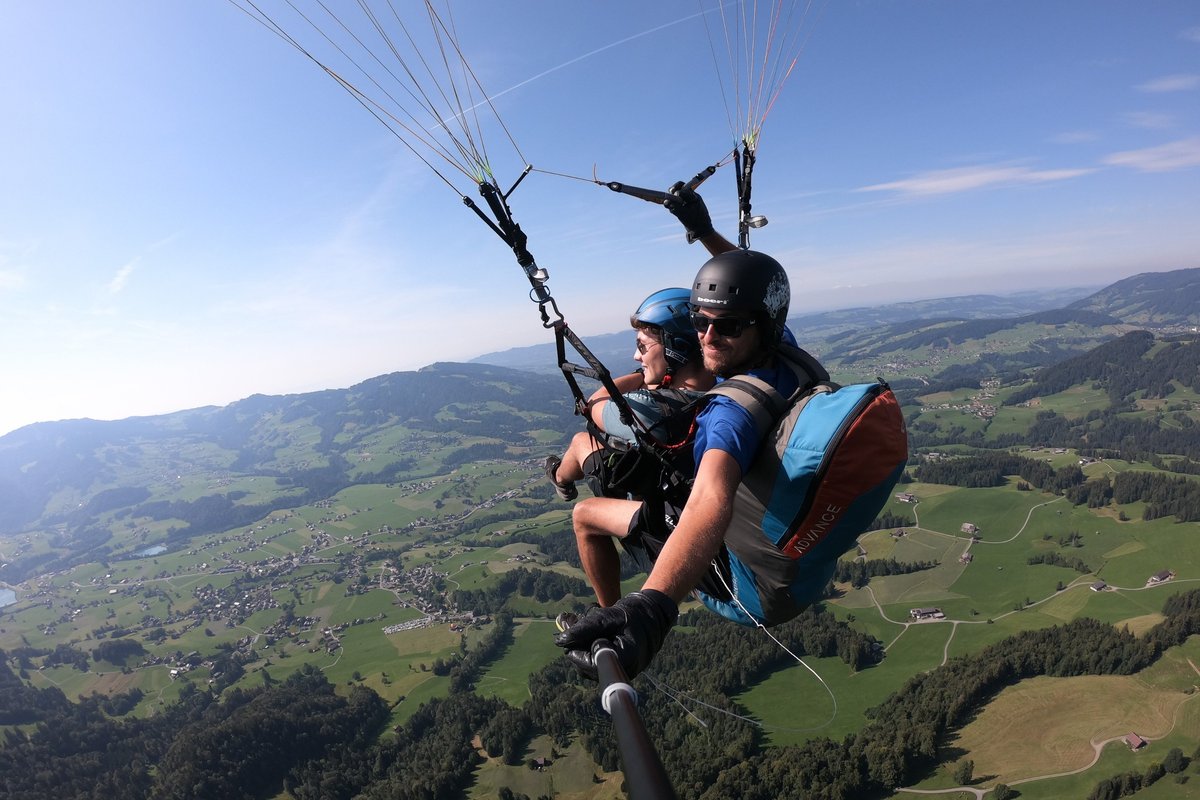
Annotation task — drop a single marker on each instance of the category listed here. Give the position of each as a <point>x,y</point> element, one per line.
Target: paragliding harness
<point>624,469</point>
<point>829,458</point>
<point>654,462</point>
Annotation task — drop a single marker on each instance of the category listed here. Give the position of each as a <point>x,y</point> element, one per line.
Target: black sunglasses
<point>727,327</point>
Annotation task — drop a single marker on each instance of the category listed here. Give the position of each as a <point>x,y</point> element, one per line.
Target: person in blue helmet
<point>739,302</point>
<point>607,457</point>
<point>662,318</point>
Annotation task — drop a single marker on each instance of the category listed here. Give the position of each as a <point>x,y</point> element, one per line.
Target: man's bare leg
<point>599,521</point>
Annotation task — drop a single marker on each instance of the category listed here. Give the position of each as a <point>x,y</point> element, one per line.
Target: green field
<point>358,541</point>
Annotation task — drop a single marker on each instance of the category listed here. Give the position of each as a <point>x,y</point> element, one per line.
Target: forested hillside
<point>1150,299</point>
<point>259,455</point>
<point>301,736</point>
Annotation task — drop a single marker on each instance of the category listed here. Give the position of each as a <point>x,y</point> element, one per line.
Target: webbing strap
<point>766,405</point>
<point>756,396</point>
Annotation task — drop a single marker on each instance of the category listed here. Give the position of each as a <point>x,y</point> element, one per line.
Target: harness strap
<point>756,396</point>
<point>765,404</point>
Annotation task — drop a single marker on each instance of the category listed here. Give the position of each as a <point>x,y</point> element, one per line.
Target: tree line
<point>542,585</point>
<point>992,469</point>
<point>899,746</point>
<point>859,573</point>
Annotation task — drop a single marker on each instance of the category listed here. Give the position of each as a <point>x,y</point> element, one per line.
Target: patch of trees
<point>23,705</point>
<point>1118,363</point>
<point>1097,492</point>
<point>1164,495</point>
<point>858,573</point>
<point>1005,367</point>
<point>557,545</point>
<point>1059,560</point>
<point>1108,433</point>
<point>991,469</point>
<point>506,734</point>
<point>430,756</point>
<point>112,499</point>
<point>65,654</point>
<point>247,744</point>
<point>1182,466</point>
<point>464,673</point>
<point>1129,783</point>
<point>542,585</point>
<point>78,751</point>
<point>116,651</point>
<point>889,520</point>
<point>120,704</point>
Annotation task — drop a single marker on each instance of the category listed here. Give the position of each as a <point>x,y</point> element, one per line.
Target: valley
<point>399,538</point>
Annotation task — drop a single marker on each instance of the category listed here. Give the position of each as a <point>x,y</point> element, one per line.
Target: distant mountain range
<point>616,348</point>
<point>72,474</point>
<point>959,339</point>
<point>1151,299</point>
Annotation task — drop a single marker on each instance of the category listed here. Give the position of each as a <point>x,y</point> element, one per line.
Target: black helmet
<point>746,282</point>
<point>668,311</point>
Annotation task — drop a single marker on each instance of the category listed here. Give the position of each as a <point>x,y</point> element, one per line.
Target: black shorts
<point>612,472</point>
<point>648,532</point>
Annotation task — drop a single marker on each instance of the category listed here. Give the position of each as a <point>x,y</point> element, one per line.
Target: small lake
<point>7,597</point>
<point>151,551</point>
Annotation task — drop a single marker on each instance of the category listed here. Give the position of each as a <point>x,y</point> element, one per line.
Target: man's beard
<point>718,364</point>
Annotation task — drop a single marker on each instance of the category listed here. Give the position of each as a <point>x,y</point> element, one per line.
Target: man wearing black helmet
<point>740,301</point>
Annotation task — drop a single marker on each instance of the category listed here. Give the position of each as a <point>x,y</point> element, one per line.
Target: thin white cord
<point>675,694</point>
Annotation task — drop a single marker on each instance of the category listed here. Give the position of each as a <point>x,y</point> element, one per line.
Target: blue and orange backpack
<point>829,459</point>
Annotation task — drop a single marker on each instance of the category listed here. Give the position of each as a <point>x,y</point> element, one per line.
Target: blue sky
<point>192,212</point>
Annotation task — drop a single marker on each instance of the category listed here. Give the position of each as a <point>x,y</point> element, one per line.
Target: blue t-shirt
<point>725,425</point>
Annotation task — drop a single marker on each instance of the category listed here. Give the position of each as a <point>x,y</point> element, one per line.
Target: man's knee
<point>602,516</point>
<point>583,517</point>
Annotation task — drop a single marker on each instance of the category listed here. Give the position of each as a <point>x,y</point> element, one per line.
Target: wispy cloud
<point>966,179</point>
<point>1151,120</point>
<point>13,265</point>
<point>1191,34</point>
<point>1074,137</point>
<point>1182,82</point>
<point>121,278</point>
<point>1169,157</point>
<point>10,279</point>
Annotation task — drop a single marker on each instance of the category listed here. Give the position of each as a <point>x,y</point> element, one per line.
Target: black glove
<point>635,625</point>
<point>688,207</point>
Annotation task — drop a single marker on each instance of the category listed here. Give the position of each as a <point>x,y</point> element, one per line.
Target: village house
<point>1135,742</point>
<point>1160,577</point>
<point>926,613</point>
<point>968,527</point>
<point>1099,586</point>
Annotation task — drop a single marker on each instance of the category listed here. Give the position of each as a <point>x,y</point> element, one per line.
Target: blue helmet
<point>668,310</point>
